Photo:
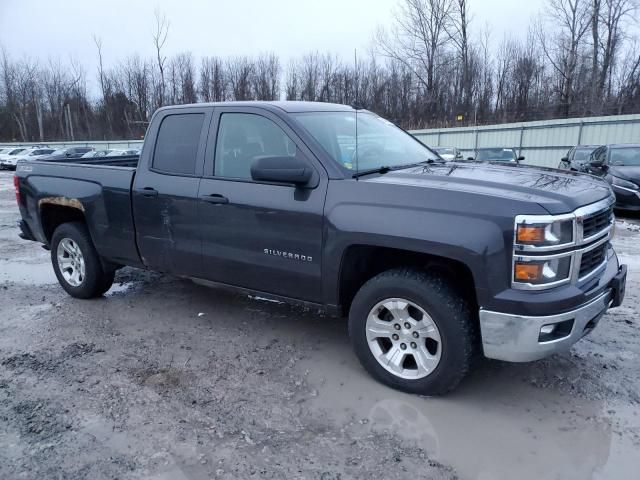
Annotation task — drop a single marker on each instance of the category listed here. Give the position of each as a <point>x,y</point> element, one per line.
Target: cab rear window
<point>177,144</point>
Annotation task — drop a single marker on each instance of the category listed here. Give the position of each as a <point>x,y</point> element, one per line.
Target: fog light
<point>547,329</point>
<point>555,331</point>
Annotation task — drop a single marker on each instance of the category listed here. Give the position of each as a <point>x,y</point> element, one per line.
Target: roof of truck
<point>287,106</point>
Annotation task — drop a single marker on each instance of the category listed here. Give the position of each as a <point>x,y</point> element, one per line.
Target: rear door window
<point>177,143</point>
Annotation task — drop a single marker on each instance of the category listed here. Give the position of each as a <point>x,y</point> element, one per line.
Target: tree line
<point>432,67</point>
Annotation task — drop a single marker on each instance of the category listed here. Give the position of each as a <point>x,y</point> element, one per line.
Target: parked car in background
<point>6,159</point>
<point>133,151</point>
<point>113,152</point>
<point>620,166</point>
<point>96,154</point>
<point>68,153</point>
<point>577,157</point>
<point>117,153</point>
<point>448,153</point>
<point>496,155</point>
<point>27,154</point>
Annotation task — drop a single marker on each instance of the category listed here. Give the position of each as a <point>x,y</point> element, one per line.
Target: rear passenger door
<point>165,191</point>
<point>257,235</point>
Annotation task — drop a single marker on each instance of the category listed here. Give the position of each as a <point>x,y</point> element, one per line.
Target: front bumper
<point>626,199</point>
<point>517,338</point>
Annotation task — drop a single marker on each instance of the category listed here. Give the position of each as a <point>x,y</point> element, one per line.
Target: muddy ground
<point>164,379</point>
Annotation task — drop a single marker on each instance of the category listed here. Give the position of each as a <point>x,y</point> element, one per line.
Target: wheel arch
<point>360,263</point>
<point>54,211</point>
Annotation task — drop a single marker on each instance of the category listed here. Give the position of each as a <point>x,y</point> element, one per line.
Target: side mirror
<point>565,159</point>
<point>599,164</point>
<point>520,158</point>
<point>281,169</point>
<point>470,158</point>
<point>67,154</point>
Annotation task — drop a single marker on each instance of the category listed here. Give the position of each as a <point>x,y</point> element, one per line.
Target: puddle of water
<point>490,428</point>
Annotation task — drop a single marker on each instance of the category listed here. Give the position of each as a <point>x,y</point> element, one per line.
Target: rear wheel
<point>412,331</point>
<point>77,264</point>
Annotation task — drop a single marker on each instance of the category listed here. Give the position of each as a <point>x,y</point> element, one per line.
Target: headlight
<point>619,182</point>
<point>541,272</point>
<point>545,234</point>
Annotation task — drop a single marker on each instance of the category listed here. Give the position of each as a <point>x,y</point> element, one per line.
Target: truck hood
<point>555,190</point>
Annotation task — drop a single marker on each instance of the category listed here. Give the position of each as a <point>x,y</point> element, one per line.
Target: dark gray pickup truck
<point>433,263</point>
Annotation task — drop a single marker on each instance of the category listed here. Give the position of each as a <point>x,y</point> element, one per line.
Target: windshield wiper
<point>361,173</point>
<point>385,168</point>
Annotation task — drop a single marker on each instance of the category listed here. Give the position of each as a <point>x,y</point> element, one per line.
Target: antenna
<point>355,103</point>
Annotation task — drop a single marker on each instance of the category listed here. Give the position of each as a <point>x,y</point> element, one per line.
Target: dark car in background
<point>577,157</point>
<point>620,166</point>
<point>67,153</point>
<point>496,154</point>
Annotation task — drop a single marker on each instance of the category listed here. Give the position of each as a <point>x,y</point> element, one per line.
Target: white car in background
<point>29,154</point>
<point>114,152</point>
<point>7,159</point>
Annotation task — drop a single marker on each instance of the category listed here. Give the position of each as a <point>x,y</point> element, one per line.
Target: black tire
<point>96,280</point>
<point>447,308</point>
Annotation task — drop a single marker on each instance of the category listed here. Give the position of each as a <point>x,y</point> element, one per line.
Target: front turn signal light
<point>528,272</point>
<point>527,234</point>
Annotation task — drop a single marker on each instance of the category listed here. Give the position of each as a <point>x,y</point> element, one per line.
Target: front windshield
<point>445,151</point>
<point>380,143</point>
<point>627,156</point>
<point>496,155</point>
<point>581,155</point>
<point>17,151</point>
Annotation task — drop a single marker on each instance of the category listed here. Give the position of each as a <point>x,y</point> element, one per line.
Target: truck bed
<point>100,188</point>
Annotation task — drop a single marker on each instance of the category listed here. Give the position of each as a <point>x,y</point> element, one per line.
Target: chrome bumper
<point>516,338</point>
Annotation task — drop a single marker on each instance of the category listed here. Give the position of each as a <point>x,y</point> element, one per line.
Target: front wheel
<point>77,263</point>
<point>413,331</point>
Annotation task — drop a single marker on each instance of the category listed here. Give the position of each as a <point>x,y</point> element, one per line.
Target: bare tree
<point>266,77</point>
<point>612,16</point>
<point>105,86</point>
<point>159,39</point>
<point>562,48</point>
<point>458,27</point>
<point>419,38</point>
<point>213,81</point>
<point>239,73</point>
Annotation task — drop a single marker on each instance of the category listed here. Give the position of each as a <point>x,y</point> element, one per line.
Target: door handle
<point>215,198</point>
<point>148,192</point>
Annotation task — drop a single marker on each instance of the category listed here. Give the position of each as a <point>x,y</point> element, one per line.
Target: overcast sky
<point>64,28</point>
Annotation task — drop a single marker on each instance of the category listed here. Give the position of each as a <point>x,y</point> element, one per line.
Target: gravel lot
<point>164,379</point>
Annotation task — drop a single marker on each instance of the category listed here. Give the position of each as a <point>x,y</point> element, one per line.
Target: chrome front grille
<point>596,222</point>
<point>592,259</point>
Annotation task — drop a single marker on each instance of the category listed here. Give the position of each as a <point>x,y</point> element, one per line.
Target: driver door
<point>258,235</point>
